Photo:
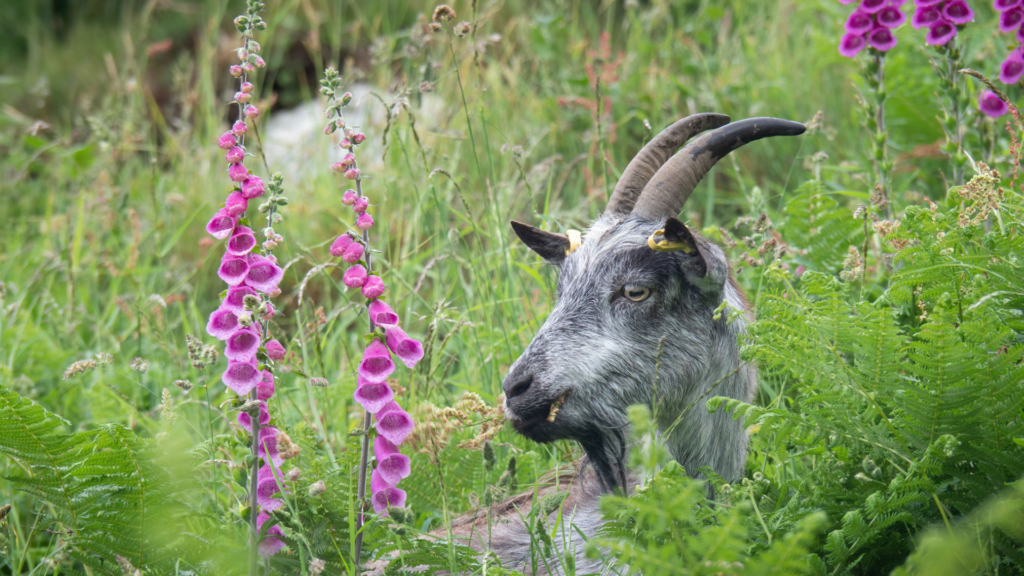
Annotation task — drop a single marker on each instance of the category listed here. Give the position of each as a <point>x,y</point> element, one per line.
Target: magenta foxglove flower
<point>355,276</point>
<point>275,351</point>
<point>251,111</point>
<point>241,242</point>
<point>265,389</point>
<point>359,137</point>
<point>349,197</point>
<point>271,544</point>
<point>891,17</point>
<point>349,159</point>
<point>1010,20</point>
<point>872,6</point>
<point>236,204</point>
<point>352,173</point>
<point>372,396</point>
<point>871,24</point>
<point>247,87</point>
<point>364,221</point>
<point>267,487</point>
<point>859,22</point>
<point>881,38</point>
<point>373,287</point>
<point>233,270</point>
<point>353,253</point>
<point>392,464</point>
<point>239,128</point>
<point>394,423</point>
<point>234,298</point>
<point>246,421</point>
<point>376,365</point>
<point>235,70</point>
<point>1012,68</point>
<point>252,187</point>
<point>340,244</point>
<point>241,377</point>
<point>924,17</point>
<point>268,446</point>
<point>360,204</point>
<point>851,44</point>
<point>238,172</point>
<point>940,32</point>
<point>345,144</point>
<point>384,495</point>
<point>382,315</point>
<point>235,155</point>
<point>263,273</point>
<point>222,324</point>
<point>242,345</point>
<point>958,12</point>
<point>221,225</point>
<point>408,350</point>
<point>1004,5</point>
<point>227,141</point>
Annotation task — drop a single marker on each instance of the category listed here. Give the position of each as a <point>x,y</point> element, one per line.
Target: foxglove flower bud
<point>265,389</point>
<point>364,221</point>
<point>275,351</point>
<point>338,167</point>
<point>243,97</point>
<point>258,62</point>
<point>394,423</point>
<point>238,172</point>
<point>382,315</point>
<point>408,350</point>
<point>353,253</point>
<point>360,204</point>
<point>248,68</point>
<point>242,54</point>
<point>348,160</point>
<point>345,143</point>
<point>372,396</point>
<point>235,155</point>
<point>235,70</point>
<point>376,364</point>
<point>352,173</point>
<point>340,244</point>
<point>247,87</point>
<point>239,128</point>
<point>355,276</point>
<point>227,141</point>
<point>392,464</point>
<point>346,98</point>
<point>349,197</point>
<point>373,287</point>
<point>254,47</point>
<point>251,111</point>
<point>236,204</point>
<point>358,138</point>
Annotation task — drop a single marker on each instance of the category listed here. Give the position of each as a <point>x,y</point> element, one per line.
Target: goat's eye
<point>635,292</point>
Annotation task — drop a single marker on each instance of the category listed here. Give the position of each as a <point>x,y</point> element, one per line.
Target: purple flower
<point>267,487</point>
<point>355,276</point>
<point>392,464</point>
<point>364,221</point>
<point>246,421</point>
<point>241,377</point>
<point>242,345</point>
<point>360,204</point>
<point>268,445</point>
<point>222,324</point>
<point>238,172</point>
<point>241,242</point>
<point>221,225</point>
<point>382,315</point>
<point>252,187</point>
<point>352,173</point>
<point>872,6</point>
<point>1012,68</point>
<point>239,128</point>
<point>235,155</point>
<point>1003,5</point>
<point>265,389</point>
<point>373,287</point>
<point>384,495</point>
<point>353,253</point>
<point>408,350</point>
<point>372,396</point>
<point>991,104</point>
<point>1010,20</point>
<point>349,197</point>
<point>274,350</point>
<point>340,244</point>
<point>925,16</point>
<point>376,365</point>
<point>940,32</point>
<point>394,423</point>
<point>958,12</point>
<point>890,17</point>
<point>233,270</point>
<point>226,141</point>
<point>263,273</point>
<point>881,39</point>
<point>236,204</point>
<point>234,298</point>
<point>923,3</point>
<point>251,111</point>
<point>851,44</point>
<point>271,544</point>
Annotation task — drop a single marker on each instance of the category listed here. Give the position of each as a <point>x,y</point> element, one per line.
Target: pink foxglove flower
<point>252,187</point>
<point>364,221</point>
<point>221,225</point>
<point>241,242</point>
<point>991,104</point>
<point>227,141</point>
<point>958,12</point>
<point>394,423</point>
<point>239,128</point>
<point>392,464</point>
<point>235,70</point>
<point>340,244</point>
<point>267,487</point>
<point>247,87</point>
<point>360,204</point>
<point>1012,68</point>
<point>925,16</point>
<point>349,197</point>
<point>263,273</point>
<point>251,111</point>
<point>223,323</point>
<point>408,350</point>
<point>275,351</point>
<point>268,445</point>
<point>246,421</point>
<point>234,300</point>
<point>871,24</point>
<point>376,365</point>
<point>235,155</point>
<point>384,495</point>
<point>271,544</point>
<point>233,270</point>
<point>242,345</point>
<point>355,276</point>
<point>1004,5</point>
<point>1010,20</point>
<point>265,389</point>
<point>352,173</point>
<point>382,315</point>
<point>359,137</point>
<point>353,253</point>
<point>238,172</point>
<point>373,287</point>
<point>236,204</point>
<point>241,377</point>
<point>372,396</point>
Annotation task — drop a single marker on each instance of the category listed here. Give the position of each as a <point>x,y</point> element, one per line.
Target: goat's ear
<point>550,246</point>
<point>680,237</point>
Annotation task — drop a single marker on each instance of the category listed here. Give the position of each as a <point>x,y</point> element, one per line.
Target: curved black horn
<point>665,193</point>
<point>650,158</point>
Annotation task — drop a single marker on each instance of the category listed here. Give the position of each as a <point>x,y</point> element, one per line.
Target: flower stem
<point>364,455</point>
<point>874,108</point>
<point>254,533</point>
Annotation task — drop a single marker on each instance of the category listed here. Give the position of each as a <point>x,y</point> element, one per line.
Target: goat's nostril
<point>519,387</point>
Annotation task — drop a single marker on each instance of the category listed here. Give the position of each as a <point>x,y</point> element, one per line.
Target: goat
<point>637,281</point>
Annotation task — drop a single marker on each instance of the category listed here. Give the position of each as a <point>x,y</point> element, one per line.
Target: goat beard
<point>606,450</point>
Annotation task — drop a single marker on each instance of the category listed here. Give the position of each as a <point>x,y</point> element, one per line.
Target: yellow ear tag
<point>574,241</point>
<point>666,246</point>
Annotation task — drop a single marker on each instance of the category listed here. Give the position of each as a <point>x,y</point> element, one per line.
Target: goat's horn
<point>649,159</point>
<point>666,192</point>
